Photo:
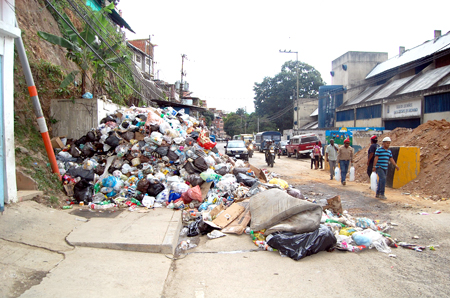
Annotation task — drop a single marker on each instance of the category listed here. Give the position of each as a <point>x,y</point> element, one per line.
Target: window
<point>345,115</point>
<point>312,139</point>
<point>138,58</point>
<point>368,112</point>
<point>437,103</point>
<point>147,61</point>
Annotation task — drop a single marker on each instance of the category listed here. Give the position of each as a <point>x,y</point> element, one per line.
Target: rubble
<point>432,139</point>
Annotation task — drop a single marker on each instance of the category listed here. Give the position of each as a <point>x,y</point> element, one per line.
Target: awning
<point>96,5</point>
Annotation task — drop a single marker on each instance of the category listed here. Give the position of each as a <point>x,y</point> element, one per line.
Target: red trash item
<point>204,141</point>
<point>194,193</point>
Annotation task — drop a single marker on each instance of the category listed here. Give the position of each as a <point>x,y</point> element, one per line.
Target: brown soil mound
<point>433,139</point>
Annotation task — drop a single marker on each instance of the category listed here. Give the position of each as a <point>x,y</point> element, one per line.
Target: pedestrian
<point>345,158</point>
<point>371,153</point>
<point>331,156</point>
<point>313,160</point>
<point>380,165</point>
<point>316,151</point>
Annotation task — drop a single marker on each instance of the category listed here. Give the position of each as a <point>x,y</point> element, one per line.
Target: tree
<point>240,122</point>
<point>209,117</point>
<point>273,94</point>
<point>80,53</point>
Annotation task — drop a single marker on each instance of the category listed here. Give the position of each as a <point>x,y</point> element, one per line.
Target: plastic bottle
<point>106,206</point>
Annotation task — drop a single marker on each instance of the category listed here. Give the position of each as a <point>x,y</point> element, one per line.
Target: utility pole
<point>182,74</point>
<point>296,69</point>
<point>258,124</point>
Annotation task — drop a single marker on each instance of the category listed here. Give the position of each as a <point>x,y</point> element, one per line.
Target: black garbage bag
<point>154,189</point>
<point>194,135</point>
<point>88,150</point>
<point>129,135</point>
<point>215,150</point>
<point>298,246</point>
<point>162,150</point>
<point>194,179</point>
<point>83,191</point>
<point>154,127</point>
<point>189,141</point>
<point>200,163</point>
<point>80,141</point>
<point>108,119</point>
<point>92,136</point>
<point>246,179</point>
<point>143,185</point>
<point>198,227</point>
<point>74,151</point>
<point>222,171</point>
<point>112,141</point>
<point>191,169</point>
<point>240,170</point>
<point>172,155</point>
<point>80,172</point>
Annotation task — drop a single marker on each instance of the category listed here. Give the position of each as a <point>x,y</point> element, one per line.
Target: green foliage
<point>209,117</point>
<point>274,93</point>
<point>240,122</point>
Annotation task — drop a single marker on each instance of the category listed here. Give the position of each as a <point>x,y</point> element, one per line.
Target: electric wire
<point>110,48</point>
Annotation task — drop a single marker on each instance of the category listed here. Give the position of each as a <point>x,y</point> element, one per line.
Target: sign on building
<point>403,109</point>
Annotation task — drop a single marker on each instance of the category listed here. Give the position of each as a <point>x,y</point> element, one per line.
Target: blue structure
<point>330,97</point>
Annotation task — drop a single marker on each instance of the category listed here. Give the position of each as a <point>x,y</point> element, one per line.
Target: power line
<point>110,48</point>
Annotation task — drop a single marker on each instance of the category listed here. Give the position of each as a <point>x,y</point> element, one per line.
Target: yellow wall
<point>350,123</point>
<point>436,116</point>
<point>409,162</point>
<point>375,122</point>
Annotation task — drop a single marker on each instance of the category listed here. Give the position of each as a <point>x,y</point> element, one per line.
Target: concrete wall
<point>8,32</point>
<point>375,122</point>
<point>436,116</point>
<point>305,106</point>
<point>350,123</point>
<point>362,138</point>
<point>408,159</point>
<point>359,64</point>
<point>76,118</point>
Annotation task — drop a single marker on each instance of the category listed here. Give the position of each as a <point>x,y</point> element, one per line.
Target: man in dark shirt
<point>371,154</point>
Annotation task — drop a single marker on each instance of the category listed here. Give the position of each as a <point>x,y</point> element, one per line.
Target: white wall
<point>349,123</point>
<point>76,118</point>
<point>7,34</point>
<point>375,122</point>
<point>436,116</point>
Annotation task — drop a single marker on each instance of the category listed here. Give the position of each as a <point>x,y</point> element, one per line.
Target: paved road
<point>228,267</point>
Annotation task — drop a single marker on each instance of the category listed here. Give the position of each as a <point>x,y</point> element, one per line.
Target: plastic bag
<point>148,201</point>
<point>295,193</point>
<point>298,246</point>
<point>337,174</point>
<point>192,194</point>
<point>194,179</point>
<point>210,176</point>
<point>373,182</point>
<point>247,180</point>
<point>365,223</point>
<point>83,191</point>
<point>154,189</point>
<point>283,184</point>
<point>204,141</point>
<point>352,174</point>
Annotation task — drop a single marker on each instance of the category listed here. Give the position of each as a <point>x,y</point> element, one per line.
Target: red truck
<point>302,145</point>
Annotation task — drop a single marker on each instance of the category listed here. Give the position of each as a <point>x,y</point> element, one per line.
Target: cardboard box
<point>69,189</point>
<point>240,223</point>
<point>57,143</point>
<point>228,215</point>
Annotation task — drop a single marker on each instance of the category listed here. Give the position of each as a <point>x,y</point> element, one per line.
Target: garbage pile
<point>162,158</point>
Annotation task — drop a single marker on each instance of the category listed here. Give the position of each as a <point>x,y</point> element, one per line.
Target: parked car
<point>302,145</point>
<point>283,147</point>
<point>237,149</point>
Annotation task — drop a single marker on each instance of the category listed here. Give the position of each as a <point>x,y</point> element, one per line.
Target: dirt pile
<point>433,140</point>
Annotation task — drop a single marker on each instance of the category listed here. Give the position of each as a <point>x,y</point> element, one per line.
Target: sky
<point>231,45</point>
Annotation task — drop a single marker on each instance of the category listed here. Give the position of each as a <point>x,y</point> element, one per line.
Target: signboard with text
<point>403,109</point>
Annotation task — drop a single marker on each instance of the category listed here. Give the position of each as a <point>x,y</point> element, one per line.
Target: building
<point>143,56</point>
<point>218,126</point>
<point>304,109</point>
<point>404,91</point>
<point>8,32</point>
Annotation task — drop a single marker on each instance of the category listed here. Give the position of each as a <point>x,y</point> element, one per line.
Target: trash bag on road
<point>83,191</point>
<point>246,179</point>
<point>298,246</point>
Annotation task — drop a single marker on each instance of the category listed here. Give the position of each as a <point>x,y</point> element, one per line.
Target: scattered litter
<point>423,213</point>
<point>437,212</point>
<point>392,256</point>
<point>215,234</point>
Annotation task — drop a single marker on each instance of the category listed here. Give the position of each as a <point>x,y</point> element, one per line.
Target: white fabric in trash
<point>277,211</point>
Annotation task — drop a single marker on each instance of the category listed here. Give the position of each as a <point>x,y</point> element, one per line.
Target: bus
<point>262,137</point>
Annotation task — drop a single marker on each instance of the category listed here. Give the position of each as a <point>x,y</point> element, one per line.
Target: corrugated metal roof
<point>311,125</point>
<point>445,82</point>
<point>389,88</point>
<point>315,113</point>
<point>426,49</point>
<point>427,80</point>
<point>363,95</point>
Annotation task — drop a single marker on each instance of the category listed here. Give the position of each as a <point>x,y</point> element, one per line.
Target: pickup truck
<point>302,145</point>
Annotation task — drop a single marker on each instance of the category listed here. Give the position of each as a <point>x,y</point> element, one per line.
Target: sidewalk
<point>53,253</point>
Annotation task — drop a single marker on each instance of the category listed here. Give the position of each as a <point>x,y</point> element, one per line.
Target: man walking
<point>345,158</point>
<point>317,155</point>
<point>371,153</point>
<point>331,156</point>
<point>380,164</point>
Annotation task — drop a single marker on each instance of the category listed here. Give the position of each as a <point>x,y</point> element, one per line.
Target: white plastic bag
<point>373,181</point>
<point>337,174</point>
<point>352,173</point>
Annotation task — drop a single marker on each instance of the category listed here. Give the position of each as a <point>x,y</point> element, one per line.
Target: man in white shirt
<point>331,156</point>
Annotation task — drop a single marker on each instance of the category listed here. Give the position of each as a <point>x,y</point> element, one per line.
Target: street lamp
<point>296,69</point>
